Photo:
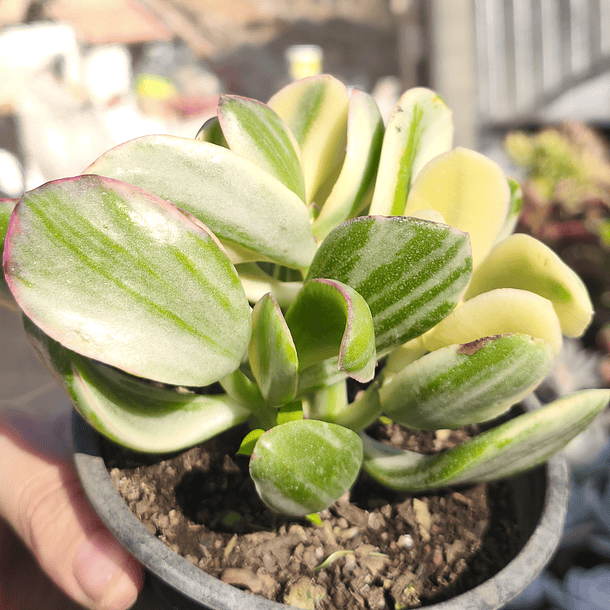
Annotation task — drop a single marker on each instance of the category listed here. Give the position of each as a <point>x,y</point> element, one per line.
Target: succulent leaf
<point>514,209</point>
<point>330,318</point>
<point>256,132</point>
<point>6,209</point>
<point>471,193</point>
<point>237,200</point>
<point>320,375</point>
<point>498,312</point>
<point>119,275</point>
<point>352,190</point>
<point>243,390</point>
<point>272,354</point>
<point>257,284</point>
<point>460,385</point>
<point>517,445</point>
<point>419,129</point>
<point>411,272</point>
<point>212,132</point>
<point>132,411</point>
<point>521,261</point>
<point>303,466</point>
<point>249,441</point>
<point>355,415</point>
<point>315,110</point>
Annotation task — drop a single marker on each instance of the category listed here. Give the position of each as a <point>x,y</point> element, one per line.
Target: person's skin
<point>54,551</point>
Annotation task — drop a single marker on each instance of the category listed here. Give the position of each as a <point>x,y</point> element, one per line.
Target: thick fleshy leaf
<point>257,284</point>
<point>411,272</point>
<point>122,276</point>
<point>6,209</point>
<point>320,375</point>
<point>132,411</point>
<point>249,441</point>
<point>352,190</point>
<point>315,110</point>
<point>469,190</point>
<point>303,466</point>
<point>419,129</point>
<point>332,405</point>
<point>272,354</point>
<point>521,261</point>
<point>211,132</point>
<point>256,132</point>
<point>465,384</point>
<point>237,200</point>
<point>514,210</point>
<point>327,402</point>
<point>517,445</point>
<point>330,318</point>
<point>498,312</point>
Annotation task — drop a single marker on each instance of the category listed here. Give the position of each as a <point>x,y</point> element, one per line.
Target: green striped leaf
<point>6,209</point>
<point>521,261</point>
<point>352,190</point>
<point>131,411</point>
<point>211,132</point>
<point>518,445</point>
<point>465,384</point>
<point>272,354</point>
<point>419,129</point>
<point>411,272</point>
<point>330,318</point>
<point>117,274</point>
<point>471,193</point>
<point>237,200</point>
<point>315,110</point>
<point>256,132</point>
<point>303,466</point>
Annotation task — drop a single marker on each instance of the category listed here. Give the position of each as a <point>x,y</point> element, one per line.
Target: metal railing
<point>529,52</point>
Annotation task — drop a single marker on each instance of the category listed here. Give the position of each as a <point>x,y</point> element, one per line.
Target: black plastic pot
<point>172,583</point>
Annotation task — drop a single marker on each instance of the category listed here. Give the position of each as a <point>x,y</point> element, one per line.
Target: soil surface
<point>374,549</point>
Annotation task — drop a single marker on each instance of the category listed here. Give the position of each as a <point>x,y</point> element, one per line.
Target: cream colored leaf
<point>498,312</point>
<point>521,261</point>
<point>469,190</point>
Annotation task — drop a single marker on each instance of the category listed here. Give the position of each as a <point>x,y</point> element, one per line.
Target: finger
<point>43,501</point>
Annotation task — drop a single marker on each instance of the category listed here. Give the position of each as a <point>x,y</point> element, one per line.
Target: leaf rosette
<point>180,287</point>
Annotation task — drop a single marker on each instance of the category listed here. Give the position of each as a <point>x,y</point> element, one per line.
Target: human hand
<point>53,547</point>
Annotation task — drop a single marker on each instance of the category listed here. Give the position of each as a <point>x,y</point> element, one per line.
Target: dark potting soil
<point>375,549</point>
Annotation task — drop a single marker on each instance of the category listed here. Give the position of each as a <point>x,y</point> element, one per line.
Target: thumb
<point>40,496</point>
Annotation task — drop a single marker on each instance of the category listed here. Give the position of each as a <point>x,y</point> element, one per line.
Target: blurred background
<point>528,82</point>
<point>77,76</point>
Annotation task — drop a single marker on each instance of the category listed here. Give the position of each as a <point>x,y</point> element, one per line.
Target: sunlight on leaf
<point>469,190</point>
<point>521,261</point>
<point>419,129</point>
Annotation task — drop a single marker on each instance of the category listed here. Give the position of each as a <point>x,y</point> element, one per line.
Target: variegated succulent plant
<point>286,249</point>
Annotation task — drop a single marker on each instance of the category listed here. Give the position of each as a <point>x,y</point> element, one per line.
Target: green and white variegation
<point>182,287</point>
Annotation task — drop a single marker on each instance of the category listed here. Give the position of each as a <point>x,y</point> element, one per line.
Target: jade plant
<point>183,287</point>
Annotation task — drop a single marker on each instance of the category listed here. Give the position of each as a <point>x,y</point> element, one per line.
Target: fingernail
<point>97,564</point>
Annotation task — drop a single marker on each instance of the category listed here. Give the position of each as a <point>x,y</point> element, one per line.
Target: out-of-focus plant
<point>568,165</point>
<point>566,204</point>
<point>288,248</point>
